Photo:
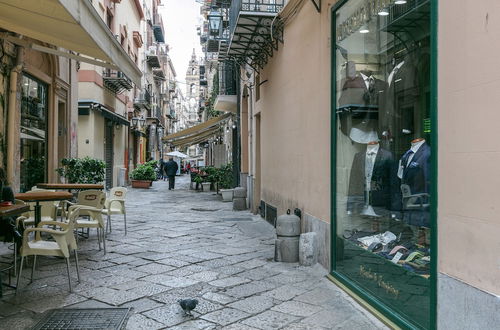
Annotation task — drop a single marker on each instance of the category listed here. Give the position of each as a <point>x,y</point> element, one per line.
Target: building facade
<point>38,84</point>
<point>348,111</point>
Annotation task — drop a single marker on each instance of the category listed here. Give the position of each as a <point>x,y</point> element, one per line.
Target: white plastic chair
<point>115,204</point>
<point>64,241</point>
<point>91,204</point>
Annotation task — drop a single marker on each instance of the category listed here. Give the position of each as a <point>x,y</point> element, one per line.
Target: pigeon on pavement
<point>188,305</point>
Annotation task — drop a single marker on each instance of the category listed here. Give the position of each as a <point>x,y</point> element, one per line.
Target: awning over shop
<point>197,129</point>
<point>71,24</point>
<point>85,106</point>
<point>226,103</point>
<point>196,138</point>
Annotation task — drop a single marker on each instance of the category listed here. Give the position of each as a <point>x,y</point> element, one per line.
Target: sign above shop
<point>360,17</point>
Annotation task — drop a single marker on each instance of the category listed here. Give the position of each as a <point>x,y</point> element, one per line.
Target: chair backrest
<point>116,193</point>
<point>405,190</point>
<point>73,214</point>
<point>93,198</point>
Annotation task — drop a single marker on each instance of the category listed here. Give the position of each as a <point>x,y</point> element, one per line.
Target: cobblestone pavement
<point>187,244</point>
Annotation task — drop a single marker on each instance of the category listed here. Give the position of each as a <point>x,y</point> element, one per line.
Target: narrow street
<point>187,244</point>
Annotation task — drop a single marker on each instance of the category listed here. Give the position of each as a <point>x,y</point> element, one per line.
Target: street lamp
<point>214,22</point>
<point>142,121</point>
<point>135,120</point>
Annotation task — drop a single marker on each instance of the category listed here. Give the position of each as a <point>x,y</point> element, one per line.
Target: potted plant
<point>82,170</point>
<point>198,180</point>
<point>206,185</point>
<point>225,182</point>
<point>142,176</point>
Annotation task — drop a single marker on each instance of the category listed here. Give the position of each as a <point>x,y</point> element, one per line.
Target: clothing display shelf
<point>401,263</point>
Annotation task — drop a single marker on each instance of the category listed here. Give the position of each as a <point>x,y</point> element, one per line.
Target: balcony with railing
<point>116,81</point>
<point>158,28</point>
<point>143,100</point>
<point>152,57</point>
<point>171,112</point>
<point>250,23</point>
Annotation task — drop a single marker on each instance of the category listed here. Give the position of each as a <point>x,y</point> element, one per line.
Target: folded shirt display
<point>383,239</point>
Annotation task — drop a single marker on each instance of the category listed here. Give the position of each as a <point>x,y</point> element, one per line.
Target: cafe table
<point>42,196</point>
<point>70,186</point>
<point>10,211</point>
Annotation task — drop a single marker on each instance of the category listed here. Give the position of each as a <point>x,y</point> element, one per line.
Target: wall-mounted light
<point>383,12</point>
<point>214,22</point>
<point>364,29</point>
<point>400,2</point>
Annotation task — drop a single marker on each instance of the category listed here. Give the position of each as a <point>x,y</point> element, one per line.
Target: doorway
<point>108,152</point>
<point>257,173</point>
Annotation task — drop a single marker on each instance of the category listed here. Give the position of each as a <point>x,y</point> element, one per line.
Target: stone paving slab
<point>187,244</point>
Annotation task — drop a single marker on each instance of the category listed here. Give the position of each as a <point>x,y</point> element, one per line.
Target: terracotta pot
<point>141,184</point>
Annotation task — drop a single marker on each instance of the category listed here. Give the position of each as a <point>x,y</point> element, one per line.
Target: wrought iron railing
<point>257,6</point>
<point>227,78</point>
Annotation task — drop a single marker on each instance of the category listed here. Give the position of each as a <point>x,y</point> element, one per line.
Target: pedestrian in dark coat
<point>171,168</point>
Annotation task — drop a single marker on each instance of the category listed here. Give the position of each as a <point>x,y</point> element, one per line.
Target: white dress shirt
<point>371,155</point>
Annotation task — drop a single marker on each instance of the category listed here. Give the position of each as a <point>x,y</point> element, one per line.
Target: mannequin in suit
<point>414,171</point>
<point>371,170</point>
<point>361,98</point>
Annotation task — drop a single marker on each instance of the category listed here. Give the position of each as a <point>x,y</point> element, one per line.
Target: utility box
<point>287,241</point>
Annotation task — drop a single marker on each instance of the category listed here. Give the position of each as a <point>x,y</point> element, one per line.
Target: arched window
<point>192,89</point>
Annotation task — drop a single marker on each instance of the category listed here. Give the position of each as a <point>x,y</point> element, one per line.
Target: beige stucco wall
<point>295,116</point>
<point>469,153</point>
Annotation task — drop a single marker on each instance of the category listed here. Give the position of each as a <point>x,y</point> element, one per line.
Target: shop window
<point>34,96</point>
<point>383,174</point>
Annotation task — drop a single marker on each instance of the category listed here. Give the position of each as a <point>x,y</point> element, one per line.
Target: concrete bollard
<point>308,251</point>
<point>287,242</point>
<point>239,199</point>
<point>239,192</point>
<point>239,204</point>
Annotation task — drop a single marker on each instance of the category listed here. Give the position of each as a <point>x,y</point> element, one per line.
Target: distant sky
<point>180,19</point>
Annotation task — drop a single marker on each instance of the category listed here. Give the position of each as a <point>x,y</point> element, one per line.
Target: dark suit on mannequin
<point>401,104</point>
<point>380,182</point>
<point>416,175</point>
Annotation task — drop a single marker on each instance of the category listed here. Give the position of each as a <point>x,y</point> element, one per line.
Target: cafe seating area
<point>52,223</point>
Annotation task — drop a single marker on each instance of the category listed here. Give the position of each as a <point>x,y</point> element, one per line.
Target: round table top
<point>70,186</point>
<point>7,211</point>
<point>41,196</point>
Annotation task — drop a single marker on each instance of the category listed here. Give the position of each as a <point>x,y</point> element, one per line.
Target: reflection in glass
<point>383,152</point>
<point>33,132</point>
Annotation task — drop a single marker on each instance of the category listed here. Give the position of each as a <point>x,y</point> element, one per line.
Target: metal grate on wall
<point>262,209</point>
<point>271,214</point>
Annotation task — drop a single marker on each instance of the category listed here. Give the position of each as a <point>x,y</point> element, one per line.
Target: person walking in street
<point>162,169</point>
<point>170,170</point>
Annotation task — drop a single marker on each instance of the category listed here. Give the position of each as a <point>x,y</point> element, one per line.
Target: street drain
<point>204,210</point>
<point>83,318</point>
<point>237,219</point>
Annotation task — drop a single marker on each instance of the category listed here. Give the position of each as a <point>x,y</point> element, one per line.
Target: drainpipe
<point>12,129</point>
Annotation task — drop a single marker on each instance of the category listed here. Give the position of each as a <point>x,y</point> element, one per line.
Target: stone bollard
<point>308,255</point>
<point>287,242</point>
<point>239,199</point>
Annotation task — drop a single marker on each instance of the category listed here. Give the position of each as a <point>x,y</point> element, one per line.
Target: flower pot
<point>206,186</point>
<point>227,195</point>
<point>145,184</point>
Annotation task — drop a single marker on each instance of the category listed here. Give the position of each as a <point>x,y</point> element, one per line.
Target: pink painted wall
<point>295,116</point>
<point>469,153</point>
